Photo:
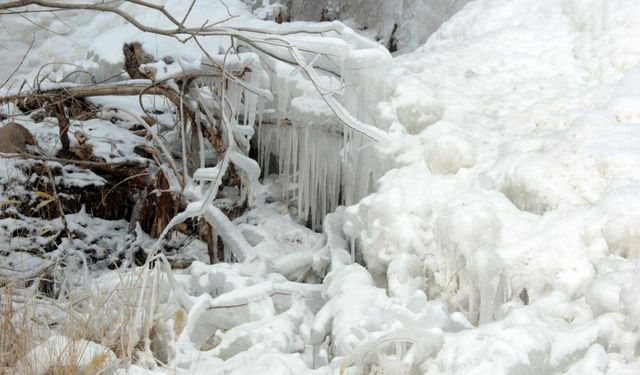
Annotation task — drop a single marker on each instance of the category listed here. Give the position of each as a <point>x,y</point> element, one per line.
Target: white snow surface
<point>503,239</point>
<point>516,182</point>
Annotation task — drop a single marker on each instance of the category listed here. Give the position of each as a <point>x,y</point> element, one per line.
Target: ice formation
<point>497,222</point>
<point>322,162</point>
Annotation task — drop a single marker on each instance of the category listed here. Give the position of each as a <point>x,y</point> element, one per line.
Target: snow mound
<point>516,184</point>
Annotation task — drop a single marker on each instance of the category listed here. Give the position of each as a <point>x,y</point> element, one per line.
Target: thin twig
<point>184,19</point>
<point>21,61</point>
<point>58,203</point>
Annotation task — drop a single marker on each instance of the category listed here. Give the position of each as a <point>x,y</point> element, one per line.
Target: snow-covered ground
<point>502,239</point>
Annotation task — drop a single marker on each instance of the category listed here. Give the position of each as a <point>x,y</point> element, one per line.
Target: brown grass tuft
<point>96,364</point>
<point>179,321</point>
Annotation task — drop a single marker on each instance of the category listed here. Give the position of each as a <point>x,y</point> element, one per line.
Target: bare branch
<point>84,163</point>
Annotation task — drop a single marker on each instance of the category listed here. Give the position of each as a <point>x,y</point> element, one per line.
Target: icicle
<point>318,170</point>
<point>252,100</point>
<point>309,164</point>
<point>352,247</point>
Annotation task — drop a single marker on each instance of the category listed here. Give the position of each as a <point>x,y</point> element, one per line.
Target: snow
<point>409,23</point>
<point>491,229</point>
<point>507,174</point>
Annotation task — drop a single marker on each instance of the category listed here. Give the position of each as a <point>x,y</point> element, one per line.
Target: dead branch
<point>82,163</point>
<point>134,56</point>
<point>124,88</point>
<point>63,218</point>
<point>179,26</point>
<point>63,125</point>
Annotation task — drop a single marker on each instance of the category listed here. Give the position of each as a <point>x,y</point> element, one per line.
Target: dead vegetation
<point>135,191</point>
<point>92,330</point>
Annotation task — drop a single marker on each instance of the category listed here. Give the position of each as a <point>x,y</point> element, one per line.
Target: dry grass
<point>12,344</point>
<point>22,348</point>
<point>112,323</point>
<point>123,316</point>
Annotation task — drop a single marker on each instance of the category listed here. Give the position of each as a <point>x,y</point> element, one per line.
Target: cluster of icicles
<point>320,162</point>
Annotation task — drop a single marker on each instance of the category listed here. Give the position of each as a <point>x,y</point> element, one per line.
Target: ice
<point>309,165</point>
<point>316,166</point>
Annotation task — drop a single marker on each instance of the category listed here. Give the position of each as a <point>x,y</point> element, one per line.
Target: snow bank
<point>516,183</point>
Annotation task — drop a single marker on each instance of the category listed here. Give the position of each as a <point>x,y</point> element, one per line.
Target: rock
<point>14,138</point>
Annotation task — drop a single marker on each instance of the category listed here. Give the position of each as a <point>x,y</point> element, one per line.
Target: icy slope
<point>517,183</point>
